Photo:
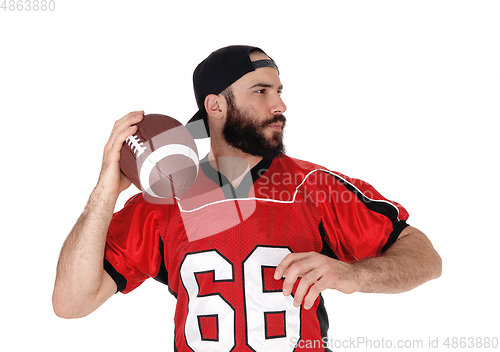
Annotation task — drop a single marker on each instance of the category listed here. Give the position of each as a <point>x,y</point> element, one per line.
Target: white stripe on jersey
<point>293,198</point>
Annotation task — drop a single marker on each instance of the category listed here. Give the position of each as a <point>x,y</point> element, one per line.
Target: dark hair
<point>228,95</point>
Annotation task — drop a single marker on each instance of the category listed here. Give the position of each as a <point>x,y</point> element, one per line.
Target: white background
<point>402,94</point>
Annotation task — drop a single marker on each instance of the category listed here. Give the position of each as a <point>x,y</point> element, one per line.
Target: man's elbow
<point>420,248</point>
<point>68,308</point>
<point>430,259</point>
<point>434,261</point>
<point>438,266</point>
<point>64,310</point>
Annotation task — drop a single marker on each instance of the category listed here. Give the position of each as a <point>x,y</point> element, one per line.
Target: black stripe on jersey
<point>326,249</point>
<point>400,225</point>
<point>119,279</point>
<point>322,315</point>
<point>162,275</point>
<point>259,169</point>
<point>378,206</point>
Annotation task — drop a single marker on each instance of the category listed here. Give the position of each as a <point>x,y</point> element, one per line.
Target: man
<point>250,247</point>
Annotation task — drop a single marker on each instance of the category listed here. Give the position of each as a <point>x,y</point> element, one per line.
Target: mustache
<point>274,119</point>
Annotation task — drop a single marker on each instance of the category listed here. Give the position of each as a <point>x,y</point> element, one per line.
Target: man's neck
<point>232,163</point>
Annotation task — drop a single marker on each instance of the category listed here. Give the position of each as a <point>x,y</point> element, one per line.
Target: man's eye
<point>261,91</point>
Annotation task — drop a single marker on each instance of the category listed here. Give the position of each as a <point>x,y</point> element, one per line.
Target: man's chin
<point>272,135</point>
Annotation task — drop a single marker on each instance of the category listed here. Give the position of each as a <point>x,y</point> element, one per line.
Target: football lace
<point>136,145</point>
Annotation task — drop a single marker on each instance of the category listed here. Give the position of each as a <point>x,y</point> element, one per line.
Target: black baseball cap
<point>213,75</point>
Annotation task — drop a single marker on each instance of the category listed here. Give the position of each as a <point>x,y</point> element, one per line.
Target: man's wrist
<point>101,198</point>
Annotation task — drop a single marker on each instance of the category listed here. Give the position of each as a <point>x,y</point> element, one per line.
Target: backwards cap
<point>213,75</point>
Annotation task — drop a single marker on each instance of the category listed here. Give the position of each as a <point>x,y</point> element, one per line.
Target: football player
<point>249,248</point>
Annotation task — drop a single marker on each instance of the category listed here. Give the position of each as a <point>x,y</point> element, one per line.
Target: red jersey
<point>217,249</point>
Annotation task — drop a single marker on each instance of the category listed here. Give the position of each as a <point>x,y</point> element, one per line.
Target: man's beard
<point>243,131</point>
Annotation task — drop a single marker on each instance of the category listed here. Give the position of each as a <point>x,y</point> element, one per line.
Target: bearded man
<point>249,248</point>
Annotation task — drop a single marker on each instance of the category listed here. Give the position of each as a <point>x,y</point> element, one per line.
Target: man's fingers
<point>289,260</point>
<point>317,273</point>
<point>313,294</point>
<point>308,280</point>
<point>111,178</point>
<point>293,266</point>
<point>122,129</point>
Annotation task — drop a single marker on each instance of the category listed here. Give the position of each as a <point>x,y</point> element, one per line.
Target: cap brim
<point>198,125</point>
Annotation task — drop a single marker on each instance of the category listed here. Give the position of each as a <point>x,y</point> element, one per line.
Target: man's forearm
<point>81,282</point>
<point>80,266</point>
<point>409,262</point>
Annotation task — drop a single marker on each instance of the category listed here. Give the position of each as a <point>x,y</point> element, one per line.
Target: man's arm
<point>408,263</point>
<point>81,284</point>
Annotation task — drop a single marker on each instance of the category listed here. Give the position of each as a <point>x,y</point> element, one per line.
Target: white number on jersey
<point>258,302</point>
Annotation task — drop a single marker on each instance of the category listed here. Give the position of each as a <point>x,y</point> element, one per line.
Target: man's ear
<point>213,105</point>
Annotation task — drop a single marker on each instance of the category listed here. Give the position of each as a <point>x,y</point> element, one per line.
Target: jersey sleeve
<point>358,220</point>
<point>132,252</point>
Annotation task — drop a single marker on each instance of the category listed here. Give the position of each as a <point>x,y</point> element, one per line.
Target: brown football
<point>160,159</point>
